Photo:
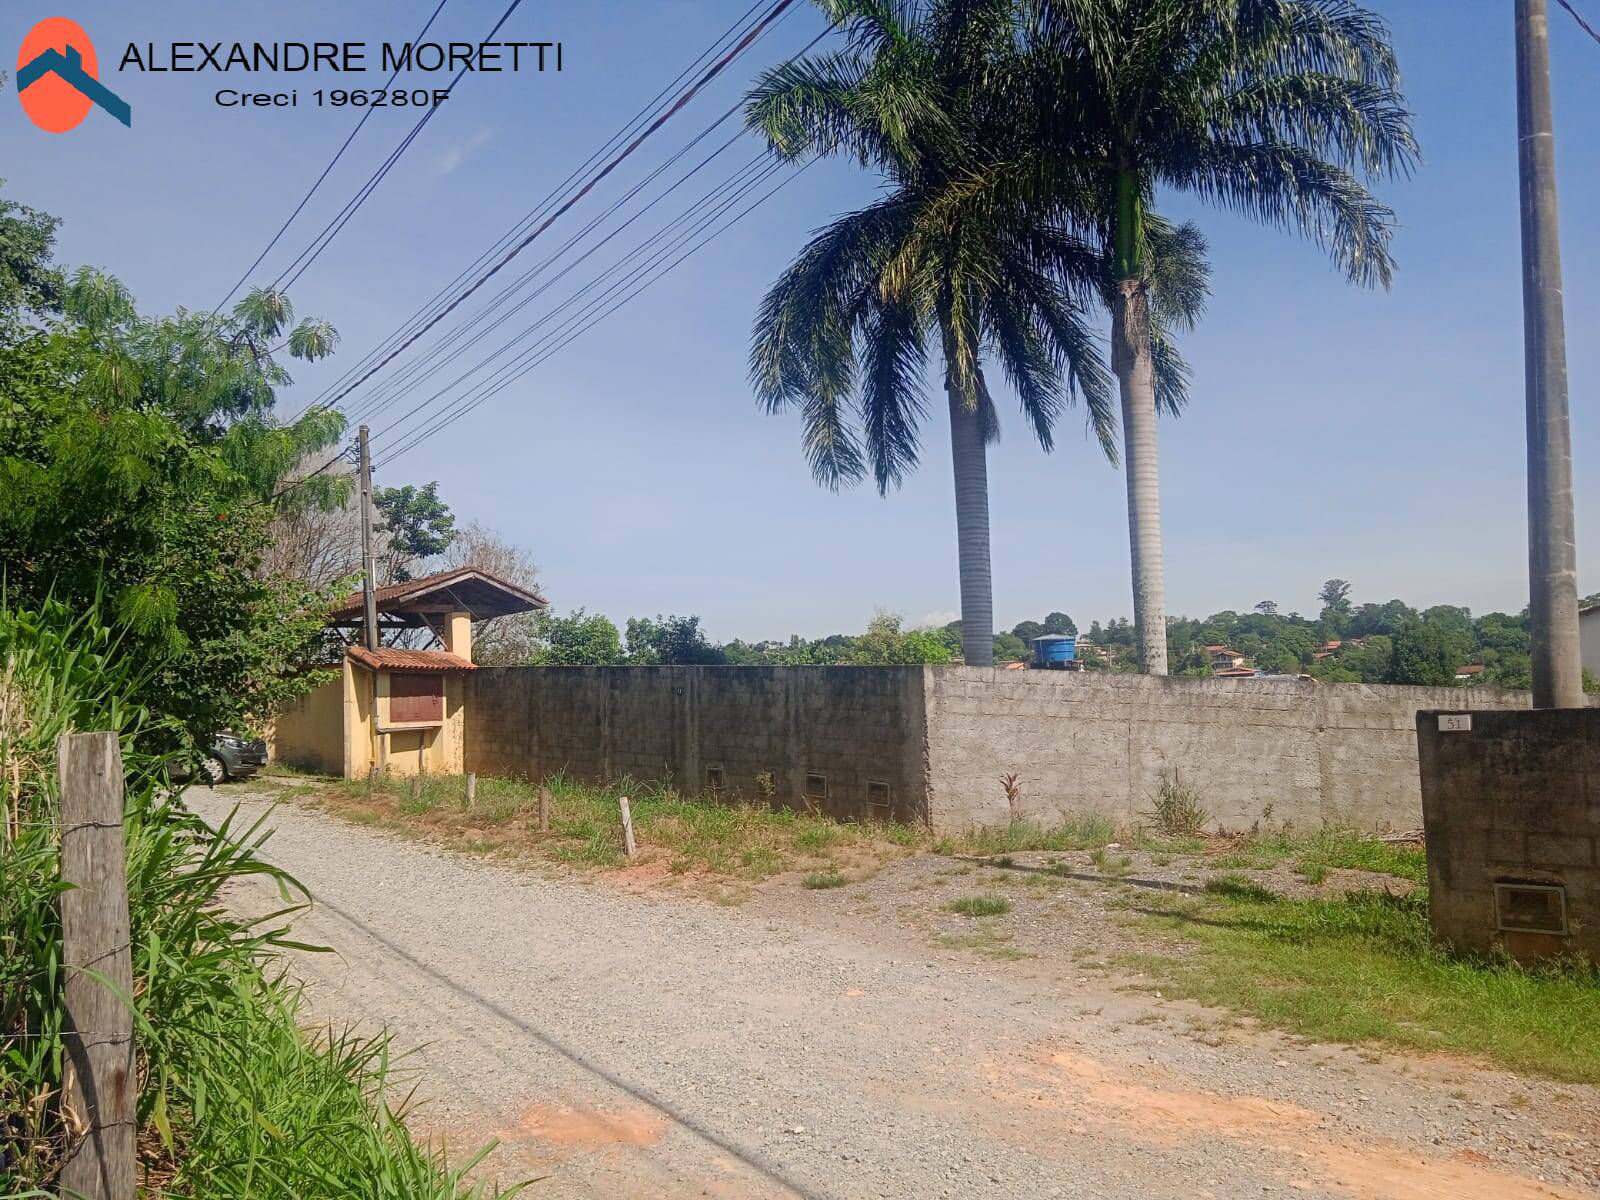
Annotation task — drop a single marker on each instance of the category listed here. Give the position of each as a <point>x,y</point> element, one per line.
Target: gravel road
<point>621,1044</point>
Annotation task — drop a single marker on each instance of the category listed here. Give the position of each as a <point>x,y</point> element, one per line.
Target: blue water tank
<point>1054,649</point>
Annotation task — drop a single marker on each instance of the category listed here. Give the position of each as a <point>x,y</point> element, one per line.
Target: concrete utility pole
<point>369,566</point>
<point>1552,537</point>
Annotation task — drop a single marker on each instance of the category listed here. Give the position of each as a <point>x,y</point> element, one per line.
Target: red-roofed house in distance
<point>397,708</point>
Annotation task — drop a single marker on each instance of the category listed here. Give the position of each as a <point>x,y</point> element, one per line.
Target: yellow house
<point>396,709</point>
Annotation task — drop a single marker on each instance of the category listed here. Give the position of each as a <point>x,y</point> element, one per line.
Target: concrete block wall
<point>1513,800</point>
<point>1092,742</point>
<point>767,728</point>
<point>941,737</point>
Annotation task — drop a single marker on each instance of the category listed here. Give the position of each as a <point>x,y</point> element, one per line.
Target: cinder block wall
<point>941,737</point>
<point>1092,742</point>
<point>851,725</point>
<point>1514,800</point>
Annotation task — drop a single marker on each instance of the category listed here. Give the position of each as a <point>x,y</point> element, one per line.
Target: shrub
<point>980,906</point>
<point>1176,807</point>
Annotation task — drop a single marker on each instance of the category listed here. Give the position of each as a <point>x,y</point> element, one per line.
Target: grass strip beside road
<point>1364,968</point>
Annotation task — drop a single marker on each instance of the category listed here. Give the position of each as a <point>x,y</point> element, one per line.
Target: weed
<point>1108,864</point>
<point>1237,887</point>
<point>988,905</point>
<point>821,880</point>
<point>986,942</point>
<point>1073,833</point>
<point>1176,806</point>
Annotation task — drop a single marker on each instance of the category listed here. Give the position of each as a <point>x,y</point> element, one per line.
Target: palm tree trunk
<point>1131,360</point>
<point>969,454</point>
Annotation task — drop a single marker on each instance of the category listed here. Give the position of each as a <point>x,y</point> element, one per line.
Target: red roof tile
<point>390,658</point>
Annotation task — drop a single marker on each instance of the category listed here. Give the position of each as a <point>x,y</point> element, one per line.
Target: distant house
<point>1589,637</point>
<point>1470,672</point>
<point>1224,658</point>
<point>1235,673</point>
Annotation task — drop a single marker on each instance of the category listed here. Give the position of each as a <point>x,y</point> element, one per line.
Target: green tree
<point>1423,652</point>
<point>417,524</point>
<point>670,640</point>
<point>577,640</point>
<point>1010,648</point>
<point>885,643</point>
<point>140,465</point>
<point>1059,622</point>
<point>854,317</point>
<point>1028,630</point>
<point>1267,108</point>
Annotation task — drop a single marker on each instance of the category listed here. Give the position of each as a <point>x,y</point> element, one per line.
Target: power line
<point>451,346</point>
<point>507,238</point>
<point>712,72</point>
<point>462,410</point>
<point>737,185</point>
<point>338,154</point>
<point>1584,25</point>
<point>302,262</point>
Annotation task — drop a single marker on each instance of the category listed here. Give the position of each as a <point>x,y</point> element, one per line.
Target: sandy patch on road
<point>1160,1110</point>
<point>575,1127</point>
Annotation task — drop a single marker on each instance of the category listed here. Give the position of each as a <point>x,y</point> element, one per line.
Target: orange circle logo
<point>52,52</point>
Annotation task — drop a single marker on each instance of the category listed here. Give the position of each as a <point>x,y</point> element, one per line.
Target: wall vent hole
<point>715,778</point>
<point>879,794</point>
<point>816,786</point>
<point>1530,908</point>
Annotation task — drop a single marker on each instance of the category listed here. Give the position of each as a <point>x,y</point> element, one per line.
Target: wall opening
<point>880,797</point>
<point>1530,908</point>
<point>816,786</point>
<point>716,778</point>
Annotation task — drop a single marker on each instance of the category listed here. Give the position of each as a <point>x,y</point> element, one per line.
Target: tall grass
<point>234,1099</point>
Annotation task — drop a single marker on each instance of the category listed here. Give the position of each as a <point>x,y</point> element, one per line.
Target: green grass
<point>822,880</point>
<point>1314,855</point>
<point>987,942</point>
<point>697,834</point>
<point>988,905</point>
<point>234,1099</point>
<point>1364,968</point>
<point>1083,832</point>
<point>1115,865</point>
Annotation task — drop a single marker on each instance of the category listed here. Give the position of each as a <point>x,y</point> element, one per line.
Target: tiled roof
<point>393,597</point>
<point>390,658</point>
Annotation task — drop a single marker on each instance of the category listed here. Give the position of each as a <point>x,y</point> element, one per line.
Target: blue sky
<point>1333,432</point>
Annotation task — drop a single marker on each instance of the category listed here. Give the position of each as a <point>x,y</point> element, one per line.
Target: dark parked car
<point>232,757</point>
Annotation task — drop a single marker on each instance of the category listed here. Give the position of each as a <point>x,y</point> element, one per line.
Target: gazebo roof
<point>390,658</point>
<point>420,601</point>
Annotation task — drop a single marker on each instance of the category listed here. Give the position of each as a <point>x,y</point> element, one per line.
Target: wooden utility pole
<point>369,566</point>
<point>98,1081</point>
<point>1552,536</point>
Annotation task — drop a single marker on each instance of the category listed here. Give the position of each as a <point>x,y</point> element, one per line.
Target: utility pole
<point>369,568</point>
<point>1552,537</point>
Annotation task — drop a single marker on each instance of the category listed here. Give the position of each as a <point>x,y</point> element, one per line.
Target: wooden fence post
<point>627,828</point>
<point>472,789</point>
<point>98,1077</point>
<point>544,810</point>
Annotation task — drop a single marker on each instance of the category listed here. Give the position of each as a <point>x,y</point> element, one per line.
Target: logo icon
<point>56,78</point>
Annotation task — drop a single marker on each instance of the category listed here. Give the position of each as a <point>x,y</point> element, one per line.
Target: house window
<point>416,699</point>
<point>879,795</point>
<point>816,786</point>
<point>714,778</point>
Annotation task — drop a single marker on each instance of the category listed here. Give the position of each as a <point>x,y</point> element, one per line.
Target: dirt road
<point>624,1045</point>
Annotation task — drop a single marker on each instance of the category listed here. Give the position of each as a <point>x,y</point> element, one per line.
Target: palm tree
<point>1268,108</point>
<point>844,334</point>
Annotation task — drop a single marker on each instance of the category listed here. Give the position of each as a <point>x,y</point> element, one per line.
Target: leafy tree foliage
<point>577,640</point>
<point>1423,652</point>
<point>140,464</point>
<point>418,525</point>
<point>670,640</point>
<point>1059,622</point>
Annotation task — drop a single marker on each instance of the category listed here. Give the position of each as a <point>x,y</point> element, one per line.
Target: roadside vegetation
<point>234,1098</point>
<point>679,834</point>
<point>1363,967</point>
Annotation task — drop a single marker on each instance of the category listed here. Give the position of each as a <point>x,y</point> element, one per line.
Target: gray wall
<point>1082,742</point>
<point>853,725</point>
<point>1514,800</point>
<point>941,737</point>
